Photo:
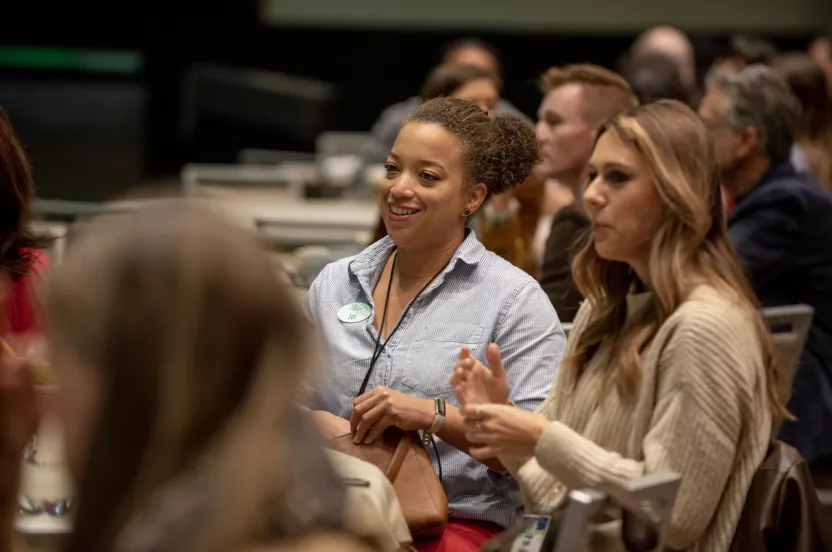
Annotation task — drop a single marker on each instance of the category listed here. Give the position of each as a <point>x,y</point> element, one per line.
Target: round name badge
<point>354,312</point>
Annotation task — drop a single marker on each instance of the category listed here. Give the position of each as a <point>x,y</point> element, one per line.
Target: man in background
<point>674,45</point>
<point>578,100</point>
<point>781,227</point>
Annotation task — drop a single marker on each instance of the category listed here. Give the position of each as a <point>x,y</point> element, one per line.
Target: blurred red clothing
<point>23,307</point>
<point>460,535</point>
<point>728,201</point>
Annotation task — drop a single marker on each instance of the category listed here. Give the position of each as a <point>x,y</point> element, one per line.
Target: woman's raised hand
<point>476,384</point>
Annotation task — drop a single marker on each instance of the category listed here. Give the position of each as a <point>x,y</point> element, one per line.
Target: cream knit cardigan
<point>701,411</point>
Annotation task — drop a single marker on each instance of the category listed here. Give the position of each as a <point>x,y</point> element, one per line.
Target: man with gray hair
<point>781,227</point>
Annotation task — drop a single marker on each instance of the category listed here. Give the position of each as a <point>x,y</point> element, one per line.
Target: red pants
<point>460,535</point>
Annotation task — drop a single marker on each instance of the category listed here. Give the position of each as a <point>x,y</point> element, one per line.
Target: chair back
<point>656,493</point>
<point>789,327</point>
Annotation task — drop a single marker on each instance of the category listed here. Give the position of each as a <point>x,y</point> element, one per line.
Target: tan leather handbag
<point>405,462</point>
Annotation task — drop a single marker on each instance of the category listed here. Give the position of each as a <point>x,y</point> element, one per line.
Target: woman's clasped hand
<point>380,408</point>
<point>493,426</point>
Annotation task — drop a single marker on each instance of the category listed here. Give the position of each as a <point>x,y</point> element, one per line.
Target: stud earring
<point>467,212</point>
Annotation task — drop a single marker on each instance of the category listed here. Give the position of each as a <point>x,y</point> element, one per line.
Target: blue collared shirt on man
<point>477,299</point>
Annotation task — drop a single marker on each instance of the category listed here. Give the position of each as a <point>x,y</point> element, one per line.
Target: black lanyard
<point>379,347</point>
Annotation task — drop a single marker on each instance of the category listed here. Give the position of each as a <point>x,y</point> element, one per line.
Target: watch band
<point>438,421</point>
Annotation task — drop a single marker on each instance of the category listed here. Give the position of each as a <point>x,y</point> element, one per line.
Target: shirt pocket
<point>345,380</point>
<point>432,355</point>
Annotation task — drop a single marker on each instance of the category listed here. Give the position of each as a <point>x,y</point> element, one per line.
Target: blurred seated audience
<point>654,76</point>
<point>21,252</point>
<point>555,196</point>
<point>531,198</point>
<point>577,100</point>
<point>781,227</point>
<point>812,151</point>
<point>179,355</point>
<point>466,51</point>
<point>395,316</point>
<point>743,50</point>
<point>506,224</point>
<point>674,45</point>
<point>668,365</point>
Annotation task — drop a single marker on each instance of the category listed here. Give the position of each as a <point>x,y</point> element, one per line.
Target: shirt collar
<point>469,252</point>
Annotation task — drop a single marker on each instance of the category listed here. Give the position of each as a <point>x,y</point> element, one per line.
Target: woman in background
<point>21,252</point>
<point>668,366</point>
<point>813,151</point>
<point>465,82</point>
<point>179,355</point>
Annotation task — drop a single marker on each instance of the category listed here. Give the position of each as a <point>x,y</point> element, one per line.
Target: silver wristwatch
<point>438,422</point>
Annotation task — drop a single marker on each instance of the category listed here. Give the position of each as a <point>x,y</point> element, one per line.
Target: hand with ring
<point>494,430</point>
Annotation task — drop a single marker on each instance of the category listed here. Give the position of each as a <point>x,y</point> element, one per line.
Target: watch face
<point>440,406</point>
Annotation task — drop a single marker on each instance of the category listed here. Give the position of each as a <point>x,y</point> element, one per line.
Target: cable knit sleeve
<point>541,491</point>
<point>706,381</point>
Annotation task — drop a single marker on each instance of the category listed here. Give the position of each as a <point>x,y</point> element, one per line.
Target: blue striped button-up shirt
<point>477,299</point>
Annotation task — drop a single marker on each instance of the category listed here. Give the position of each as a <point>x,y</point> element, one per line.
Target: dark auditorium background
<point>113,80</point>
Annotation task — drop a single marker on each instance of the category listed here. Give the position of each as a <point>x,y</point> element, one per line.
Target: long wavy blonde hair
<point>689,249</point>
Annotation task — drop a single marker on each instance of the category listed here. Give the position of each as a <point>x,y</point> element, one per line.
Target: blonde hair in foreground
<point>200,351</point>
<point>690,248</point>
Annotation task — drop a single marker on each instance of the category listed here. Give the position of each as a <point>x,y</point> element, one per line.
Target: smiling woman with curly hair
<point>396,315</point>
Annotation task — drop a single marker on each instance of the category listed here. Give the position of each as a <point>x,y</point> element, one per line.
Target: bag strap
<point>639,528</point>
<point>399,456</point>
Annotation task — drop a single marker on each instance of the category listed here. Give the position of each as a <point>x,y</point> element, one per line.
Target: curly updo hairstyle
<point>499,152</point>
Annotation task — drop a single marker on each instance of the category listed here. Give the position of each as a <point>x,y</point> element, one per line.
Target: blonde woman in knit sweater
<point>668,366</point>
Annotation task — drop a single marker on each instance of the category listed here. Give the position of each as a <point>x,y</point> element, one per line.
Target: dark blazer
<point>782,230</point>
<point>569,229</point>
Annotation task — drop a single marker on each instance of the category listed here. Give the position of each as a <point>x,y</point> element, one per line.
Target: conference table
<point>284,220</point>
